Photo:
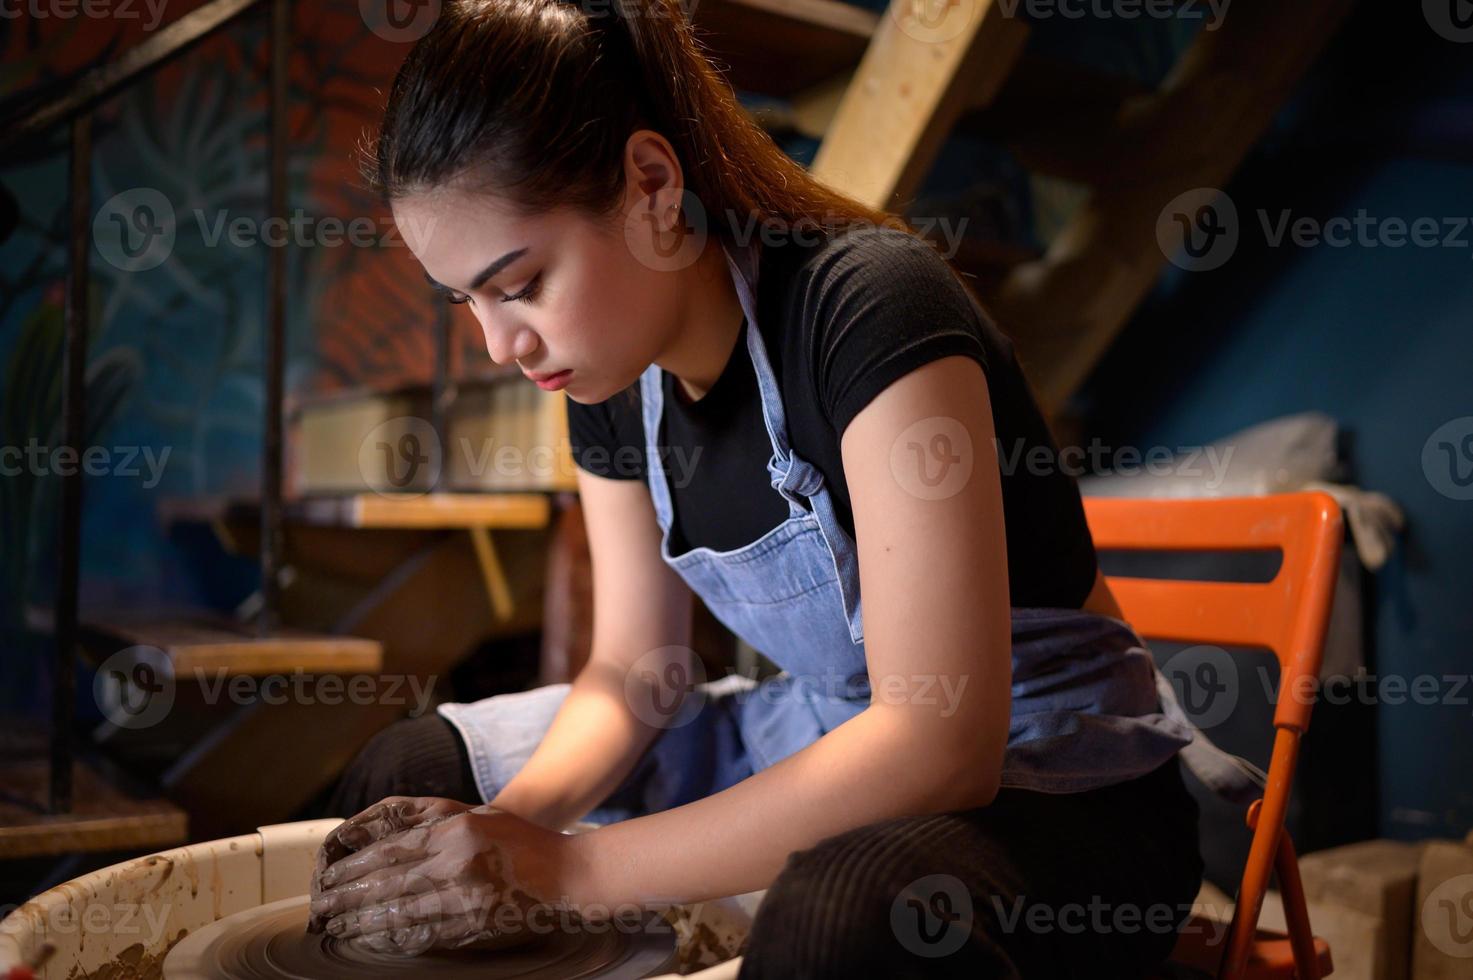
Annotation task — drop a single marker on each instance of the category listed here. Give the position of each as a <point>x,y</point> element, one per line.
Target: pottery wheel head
<point>271,941</point>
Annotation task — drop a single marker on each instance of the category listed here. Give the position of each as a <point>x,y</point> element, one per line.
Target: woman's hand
<point>410,874</point>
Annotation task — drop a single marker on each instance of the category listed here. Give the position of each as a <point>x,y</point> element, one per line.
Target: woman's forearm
<point>871,768</point>
<point>592,745</point>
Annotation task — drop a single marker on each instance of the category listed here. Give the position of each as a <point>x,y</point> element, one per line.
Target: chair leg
<point>1296,913</point>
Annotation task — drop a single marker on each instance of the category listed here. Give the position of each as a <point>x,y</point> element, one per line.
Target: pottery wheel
<point>272,941</point>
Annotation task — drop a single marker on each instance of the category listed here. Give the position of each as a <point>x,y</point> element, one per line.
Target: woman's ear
<point>654,179</point>
<point>665,226</point>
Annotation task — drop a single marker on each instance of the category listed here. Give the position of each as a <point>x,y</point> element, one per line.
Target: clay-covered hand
<point>449,876</point>
<point>384,818</point>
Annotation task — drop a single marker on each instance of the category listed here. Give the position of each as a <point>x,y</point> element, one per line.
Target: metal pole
<point>441,393</point>
<point>74,416</point>
<point>275,326</point>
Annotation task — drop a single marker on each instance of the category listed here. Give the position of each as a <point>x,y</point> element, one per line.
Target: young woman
<point>780,401</point>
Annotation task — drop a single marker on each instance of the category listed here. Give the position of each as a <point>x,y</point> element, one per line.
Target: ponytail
<point>536,100</point>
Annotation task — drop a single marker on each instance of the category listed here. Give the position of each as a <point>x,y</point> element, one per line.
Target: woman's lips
<point>553,382</point>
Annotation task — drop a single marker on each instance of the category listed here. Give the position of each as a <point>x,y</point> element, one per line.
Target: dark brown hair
<point>536,99</point>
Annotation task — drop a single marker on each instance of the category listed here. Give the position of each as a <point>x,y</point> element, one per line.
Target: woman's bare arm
<point>639,605</point>
<point>933,569</point>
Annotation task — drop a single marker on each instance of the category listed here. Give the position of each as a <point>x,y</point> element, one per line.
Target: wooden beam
<point>917,77</point>
<point>492,573</point>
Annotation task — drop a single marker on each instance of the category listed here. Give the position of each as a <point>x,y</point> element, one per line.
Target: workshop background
<point>1365,341</point>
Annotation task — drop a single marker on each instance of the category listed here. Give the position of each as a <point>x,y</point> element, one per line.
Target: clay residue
<point>133,963</point>
<point>698,945</point>
<point>152,860</point>
<point>217,886</point>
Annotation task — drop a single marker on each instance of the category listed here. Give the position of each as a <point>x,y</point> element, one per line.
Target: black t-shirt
<point>843,318</point>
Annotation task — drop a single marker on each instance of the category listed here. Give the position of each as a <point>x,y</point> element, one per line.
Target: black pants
<point>422,756</point>
<point>1034,885</point>
<point>1091,884</point>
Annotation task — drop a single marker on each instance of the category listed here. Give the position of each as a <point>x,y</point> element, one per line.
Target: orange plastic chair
<point>1288,616</point>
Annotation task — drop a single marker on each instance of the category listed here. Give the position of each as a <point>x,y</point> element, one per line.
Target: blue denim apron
<point>1089,707</point>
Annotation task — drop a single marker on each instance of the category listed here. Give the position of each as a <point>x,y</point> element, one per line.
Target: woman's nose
<point>508,345</point>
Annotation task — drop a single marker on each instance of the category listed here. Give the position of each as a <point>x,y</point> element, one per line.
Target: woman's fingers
<point>390,816</point>
<point>398,942</point>
<point>435,926</point>
<point>387,816</point>
<point>426,910</point>
<point>402,849</point>
<point>373,888</point>
<point>365,827</point>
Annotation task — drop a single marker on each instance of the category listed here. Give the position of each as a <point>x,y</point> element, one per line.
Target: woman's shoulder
<point>862,271</point>
<point>880,249</point>
<point>867,304</point>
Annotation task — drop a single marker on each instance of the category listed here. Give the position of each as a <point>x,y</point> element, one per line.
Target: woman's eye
<point>457,298</point>
<point>527,293</point>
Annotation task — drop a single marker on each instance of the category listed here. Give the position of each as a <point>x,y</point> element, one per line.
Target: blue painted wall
<point>1378,336</point>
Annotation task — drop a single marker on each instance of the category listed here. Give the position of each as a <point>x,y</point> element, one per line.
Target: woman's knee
<point>877,898</point>
<point>421,756</point>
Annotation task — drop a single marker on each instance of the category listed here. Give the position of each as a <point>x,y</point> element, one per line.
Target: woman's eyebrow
<point>485,273</point>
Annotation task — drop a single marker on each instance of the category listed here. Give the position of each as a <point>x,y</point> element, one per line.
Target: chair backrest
<point>1288,615</point>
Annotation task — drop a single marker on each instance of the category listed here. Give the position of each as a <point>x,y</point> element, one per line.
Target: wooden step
<point>425,511</point>
<point>779,47</point>
<point>104,818</point>
<point>193,641</point>
<point>430,511</point>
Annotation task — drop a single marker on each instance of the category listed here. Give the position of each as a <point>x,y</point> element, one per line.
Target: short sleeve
<point>606,438</point>
<point>885,302</point>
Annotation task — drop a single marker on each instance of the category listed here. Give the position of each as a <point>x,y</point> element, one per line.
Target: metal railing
<point>75,107</point>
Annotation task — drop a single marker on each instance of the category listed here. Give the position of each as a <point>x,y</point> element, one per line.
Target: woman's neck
<point>709,326</point>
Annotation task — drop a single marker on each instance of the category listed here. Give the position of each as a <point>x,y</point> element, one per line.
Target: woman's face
<point>554,292</point>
